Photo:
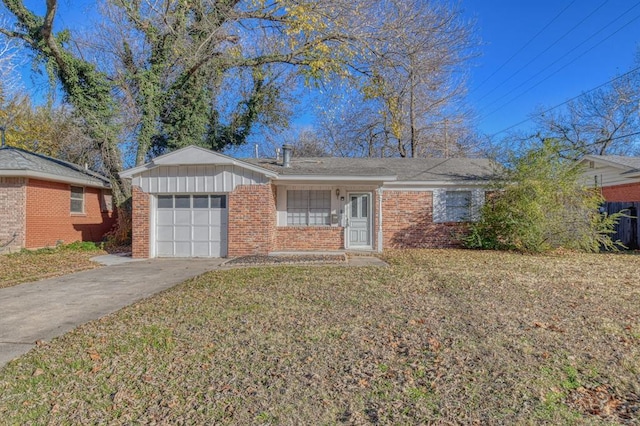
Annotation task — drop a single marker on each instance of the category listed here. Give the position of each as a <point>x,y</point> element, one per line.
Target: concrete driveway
<point>49,308</point>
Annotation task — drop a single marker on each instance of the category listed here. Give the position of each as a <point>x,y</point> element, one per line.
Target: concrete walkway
<point>46,309</point>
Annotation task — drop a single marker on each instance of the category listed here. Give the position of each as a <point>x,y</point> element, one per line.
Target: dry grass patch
<point>26,265</point>
<point>439,337</point>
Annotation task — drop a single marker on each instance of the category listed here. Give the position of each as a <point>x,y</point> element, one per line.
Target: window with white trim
<point>77,199</point>
<point>458,206</point>
<point>308,207</point>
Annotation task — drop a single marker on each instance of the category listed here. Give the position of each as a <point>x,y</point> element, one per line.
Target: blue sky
<point>573,46</point>
<point>534,54</point>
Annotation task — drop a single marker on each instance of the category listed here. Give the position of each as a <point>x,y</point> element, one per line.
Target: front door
<point>359,224</point>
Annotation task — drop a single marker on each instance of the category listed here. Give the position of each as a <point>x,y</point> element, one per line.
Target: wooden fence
<point>627,228</point>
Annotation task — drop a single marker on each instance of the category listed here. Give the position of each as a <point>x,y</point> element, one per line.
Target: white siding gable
<point>196,179</point>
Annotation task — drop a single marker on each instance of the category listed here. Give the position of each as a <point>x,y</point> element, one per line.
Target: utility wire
<point>569,100</point>
<point>525,45</point>
<point>544,51</point>
<point>559,69</point>
<point>565,55</point>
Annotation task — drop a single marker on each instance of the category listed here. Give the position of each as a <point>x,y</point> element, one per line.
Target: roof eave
<point>52,177</point>
<point>599,159</point>
<point>438,183</point>
<point>333,178</point>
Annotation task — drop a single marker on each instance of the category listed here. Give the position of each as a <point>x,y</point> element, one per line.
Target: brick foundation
<point>407,222</point>
<point>626,192</point>
<point>252,220</point>
<point>309,238</point>
<point>13,197</point>
<point>140,224</point>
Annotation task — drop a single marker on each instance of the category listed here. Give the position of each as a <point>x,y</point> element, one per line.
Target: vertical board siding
<point>196,179</point>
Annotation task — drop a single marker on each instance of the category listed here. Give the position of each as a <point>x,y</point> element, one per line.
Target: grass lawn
<point>35,265</point>
<point>444,337</point>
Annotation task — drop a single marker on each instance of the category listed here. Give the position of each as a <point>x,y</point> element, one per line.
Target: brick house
<point>45,201</point>
<point>617,176</point>
<point>198,203</point>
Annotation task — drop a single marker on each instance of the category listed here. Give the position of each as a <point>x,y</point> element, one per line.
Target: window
<point>458,205</point>
<point>192,201</point>
<point>77,199</point>
<point>309,208</point>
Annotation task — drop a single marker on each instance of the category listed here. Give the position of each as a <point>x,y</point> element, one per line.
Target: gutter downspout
<point>379,191</point>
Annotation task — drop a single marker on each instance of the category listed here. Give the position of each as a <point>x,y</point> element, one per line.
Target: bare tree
<point>603,121</point>
<point>416,76</point>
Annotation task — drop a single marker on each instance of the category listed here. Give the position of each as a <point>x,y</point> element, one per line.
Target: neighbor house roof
<point>396,169</point>
<point>20,163</point>
<point>629,165</point>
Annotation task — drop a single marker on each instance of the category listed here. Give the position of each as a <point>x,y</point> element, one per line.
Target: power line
<point>558,70</point>
<point>525,45</point>
<point>544,51</point>
<point>562,58</point>
<point>569,100</point>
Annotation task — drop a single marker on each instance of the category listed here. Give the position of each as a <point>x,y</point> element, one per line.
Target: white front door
<point>359,221</point>
<point>191,226</point>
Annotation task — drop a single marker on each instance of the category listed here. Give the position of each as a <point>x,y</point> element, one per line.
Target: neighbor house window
<point>77,199</point>
<point>308,208</point>
<point>458,206</point>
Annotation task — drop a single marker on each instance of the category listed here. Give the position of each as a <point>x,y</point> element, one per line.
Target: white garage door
<point>191,226</point>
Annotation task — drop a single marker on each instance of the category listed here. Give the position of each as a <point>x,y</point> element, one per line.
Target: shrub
<point>539,204</point>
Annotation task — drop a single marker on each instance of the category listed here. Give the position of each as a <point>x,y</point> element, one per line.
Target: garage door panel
<point>191,229</point>
<point>200,217</point>
<point>182,217</point>
<point>164,233</point>
<point>182,249</point>
<point>182,233</point>
<point>204,233</point>
<point>165,217</point>
<point>164,249</point>
<point>201,249</point>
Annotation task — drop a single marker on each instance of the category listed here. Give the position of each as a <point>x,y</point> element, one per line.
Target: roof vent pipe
<point>286,155</point>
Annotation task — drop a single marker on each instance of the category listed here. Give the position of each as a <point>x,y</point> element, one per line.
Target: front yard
<point>23,266</point>
<point>441,336</point>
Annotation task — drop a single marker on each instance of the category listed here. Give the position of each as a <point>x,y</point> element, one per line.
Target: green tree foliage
<point>539,203</point>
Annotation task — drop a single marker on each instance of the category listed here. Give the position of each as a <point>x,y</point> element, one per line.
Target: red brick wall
<point>252,220</point>
<point>407,222</point>
<point>12,213</point>
<point>626,192</point>
<point>309,238</point>
<point>49,218</point>
<point>140,223</point>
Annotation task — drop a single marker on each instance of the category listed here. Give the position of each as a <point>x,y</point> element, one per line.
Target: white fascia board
<point>327,178</point>
<point>427,185</point>
<point>52,177</point>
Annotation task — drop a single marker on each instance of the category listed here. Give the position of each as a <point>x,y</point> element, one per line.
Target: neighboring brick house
<point>197,203</point>
<point>45,202</point>
<point>617,176</point>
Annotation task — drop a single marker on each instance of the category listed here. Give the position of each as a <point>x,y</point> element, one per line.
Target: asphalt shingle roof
<point>405,169</point>
<point>631,162</point>
<point>19,160</point>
